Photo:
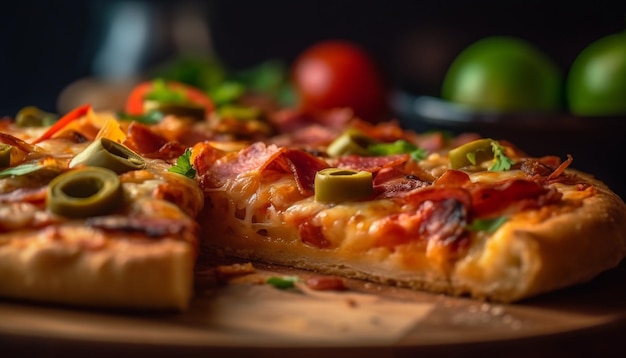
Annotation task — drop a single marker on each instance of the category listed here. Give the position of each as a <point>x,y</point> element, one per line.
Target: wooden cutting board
<point>246,317</point>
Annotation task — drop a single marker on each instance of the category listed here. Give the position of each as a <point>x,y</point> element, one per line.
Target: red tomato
<point>337,73</point>
<point>135,100</point>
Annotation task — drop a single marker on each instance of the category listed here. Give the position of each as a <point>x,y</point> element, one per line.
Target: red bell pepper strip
<point>70,117</point>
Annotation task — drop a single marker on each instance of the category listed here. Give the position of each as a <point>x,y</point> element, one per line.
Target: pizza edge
<point>520,260</point>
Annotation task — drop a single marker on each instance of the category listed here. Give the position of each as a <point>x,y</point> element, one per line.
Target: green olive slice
<point>109,154</point>
<point>32,116</point>
<point>84,192</point>
<point>472,153</point>
<point>351,141</point>
<point>333,185</point>
<point>5,155</point>
<point>176,109</point>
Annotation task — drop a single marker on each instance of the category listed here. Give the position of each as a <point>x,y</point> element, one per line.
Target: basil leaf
<point>488,225</point>
<point>183,165</point>
<point>283,283</point>
<point>500,161</point>
<point>20,170</point>
<point>397,147</point>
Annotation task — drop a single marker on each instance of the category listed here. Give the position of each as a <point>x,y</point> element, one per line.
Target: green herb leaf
<point>500,161</point>
<point>397,147</point>
<point>283,283</point>
<point>489,225</point>
<point>242,113</point>
<point>183,165</point>
<point>164,94</point>
<point>20,170</point>
<point>227,92</point>
<point>151,117</point>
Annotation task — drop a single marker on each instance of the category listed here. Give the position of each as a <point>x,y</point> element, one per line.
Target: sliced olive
<point>5,155</point>
<point>84,192</point>
<point>333,185</point>
<point>109,154</point>
<point>351,141</point>
<point>34,117</point>
<point>176,109</point>
<point>471,153</point>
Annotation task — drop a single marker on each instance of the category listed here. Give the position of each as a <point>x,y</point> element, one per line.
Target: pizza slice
<point>465,216</point>
<point>92,215</point>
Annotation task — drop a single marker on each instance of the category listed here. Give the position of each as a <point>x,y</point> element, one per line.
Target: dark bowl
<point>596,143</point>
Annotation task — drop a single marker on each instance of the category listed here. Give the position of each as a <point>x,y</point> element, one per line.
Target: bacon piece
<point>533,167</point>
<point>290,121</point>
<point>371,164</point>
<point>312,235</point>
<point>392,182</point>
<point>453,178</point>
<point>304,167</point>
<point>231,165</point>
<point>150,144</point>
<point>18,143</point>
<point>35,195</point>
<point>443,221</point>
<point>261,157</point>
<point>488,200</point>
<point>492,200</point>
<point>561,169</point>
<point>326,283</point>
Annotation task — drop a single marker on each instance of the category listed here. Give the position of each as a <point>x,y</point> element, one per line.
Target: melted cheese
<point>487,177</point>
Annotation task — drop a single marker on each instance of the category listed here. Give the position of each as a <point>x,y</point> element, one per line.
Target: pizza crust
<point>74,265</point>
<point>524,259</point>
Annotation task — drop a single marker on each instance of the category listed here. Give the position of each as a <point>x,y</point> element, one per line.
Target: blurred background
<point>45,46</point>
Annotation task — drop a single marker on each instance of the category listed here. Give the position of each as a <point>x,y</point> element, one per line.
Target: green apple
<point>596,83</point>
<point>504,74</point>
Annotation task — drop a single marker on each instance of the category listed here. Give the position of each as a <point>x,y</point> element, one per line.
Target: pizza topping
<point>108,154</point>
<point>561,169</point>
<point>149,144</point>
<point>64,121</point>
<point>89,191</point>
<point>487,225</point>
<point>34,195</point>
<point>184,166</point>
<point>493,200</point>
<point>392,182</point>
<point>398,147</point>
<point>21,169</point>
<point>312,235</point>
<point>443,221</point>
<point>303,166</point>
<point>5,155</point>
<point>32,116</point>
<point>283,282</point>
<point>351,142</point>
<point>326,283</point>
<point>370,164</point>
<point>479,151</point>
<point>334,185</point>
<point>168,97</point>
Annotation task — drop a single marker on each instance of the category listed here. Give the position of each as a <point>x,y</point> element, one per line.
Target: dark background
<point>47,45</point>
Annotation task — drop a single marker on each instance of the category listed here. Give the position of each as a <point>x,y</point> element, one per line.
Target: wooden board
<point>248,318</point>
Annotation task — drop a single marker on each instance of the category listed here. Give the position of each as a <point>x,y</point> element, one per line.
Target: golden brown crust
<point>568,248</point>
<point>73,264</point>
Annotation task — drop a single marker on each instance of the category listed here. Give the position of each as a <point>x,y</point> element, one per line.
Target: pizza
<point>462,216</point>
<point>120,210</point>
<point>86,221</point>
